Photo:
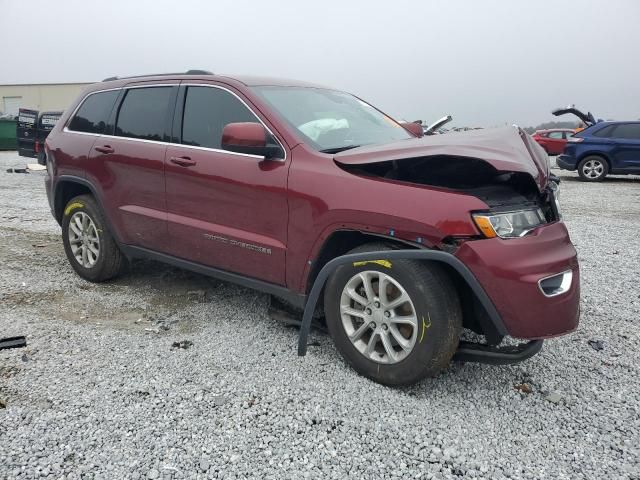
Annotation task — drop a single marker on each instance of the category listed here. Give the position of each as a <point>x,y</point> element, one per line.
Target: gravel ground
<point>101,393</point>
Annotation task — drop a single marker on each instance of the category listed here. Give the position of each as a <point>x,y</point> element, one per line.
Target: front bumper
<point>566,162</point>
<point>510,272</point>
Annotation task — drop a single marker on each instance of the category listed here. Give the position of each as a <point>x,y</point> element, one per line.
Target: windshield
<point>332,121</point>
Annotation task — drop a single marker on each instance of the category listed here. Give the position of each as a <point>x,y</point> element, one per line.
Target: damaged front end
<point>520,240</point>
<point>518,200</point>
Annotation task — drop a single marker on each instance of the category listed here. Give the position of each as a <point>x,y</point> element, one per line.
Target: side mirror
<point>250,138</point>
<point>413,128</point>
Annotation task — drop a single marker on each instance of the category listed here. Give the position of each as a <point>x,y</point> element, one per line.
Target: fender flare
<point>94,191</point>
<point>432,255</point>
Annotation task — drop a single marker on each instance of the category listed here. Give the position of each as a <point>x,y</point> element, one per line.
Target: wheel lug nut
<point>387,314</point>
<point>385,327</point>
<point>368,311</point>
<point>372,325</point>
<point>377,304</point>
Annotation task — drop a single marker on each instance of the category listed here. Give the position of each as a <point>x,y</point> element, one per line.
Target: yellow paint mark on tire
<point>72,206</point>
<point>384,263</point>
<point>425,325</point>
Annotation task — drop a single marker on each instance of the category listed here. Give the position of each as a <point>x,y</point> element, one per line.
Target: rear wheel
<point>394,322</point>
<point>593,168</point>
<point>90,248</point>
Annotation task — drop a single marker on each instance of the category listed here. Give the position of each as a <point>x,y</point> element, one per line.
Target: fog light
<point>556,284</point>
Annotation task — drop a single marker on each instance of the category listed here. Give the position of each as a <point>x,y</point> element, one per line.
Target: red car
<point>313,195</point>
<point>553,140</point>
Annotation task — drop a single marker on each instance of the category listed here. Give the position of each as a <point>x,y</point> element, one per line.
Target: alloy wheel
<point>378,317</point>
<point>593,169</point>
<point>84,240</point>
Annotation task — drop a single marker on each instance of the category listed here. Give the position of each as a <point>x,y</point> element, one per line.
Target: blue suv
<point>602,148</point>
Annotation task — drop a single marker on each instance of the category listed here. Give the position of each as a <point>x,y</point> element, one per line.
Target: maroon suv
<point>313,195</point>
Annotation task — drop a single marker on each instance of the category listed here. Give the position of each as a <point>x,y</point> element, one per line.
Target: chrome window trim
<point>158,142</point>
<point>75,110</point>
<point>209,149</point>
<point>248,108</point>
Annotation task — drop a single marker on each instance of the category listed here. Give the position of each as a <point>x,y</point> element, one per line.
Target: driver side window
<point>206,112</point>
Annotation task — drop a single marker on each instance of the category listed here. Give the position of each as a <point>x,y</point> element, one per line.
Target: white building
<point>39,96</point>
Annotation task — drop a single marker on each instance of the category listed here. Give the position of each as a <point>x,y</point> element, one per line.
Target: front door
<point>225,210</point>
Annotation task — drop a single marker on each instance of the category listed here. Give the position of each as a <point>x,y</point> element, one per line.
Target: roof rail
<point>188,72</point>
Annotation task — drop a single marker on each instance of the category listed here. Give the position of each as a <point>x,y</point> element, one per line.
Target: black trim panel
<point>296,299</point>
<point>475,352</point>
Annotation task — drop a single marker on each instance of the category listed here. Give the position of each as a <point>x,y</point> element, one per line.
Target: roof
<point>246,80</point>
<point>255,81</point>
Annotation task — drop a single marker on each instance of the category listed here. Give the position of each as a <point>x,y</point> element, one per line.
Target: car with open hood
<point>310,194</point>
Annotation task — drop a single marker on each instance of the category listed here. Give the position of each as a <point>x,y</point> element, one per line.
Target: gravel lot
<point>101,393</point>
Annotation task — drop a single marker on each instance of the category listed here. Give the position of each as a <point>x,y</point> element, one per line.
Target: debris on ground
<point>554,397</point>
<point>183,344</point>
<point>35,167</point>
<point>524,388</point>
<point>17,170</point>
<point>198,295</point>
<point>597,345</point>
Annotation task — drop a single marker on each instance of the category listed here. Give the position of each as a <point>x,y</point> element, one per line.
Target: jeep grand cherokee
<point>281,185</point>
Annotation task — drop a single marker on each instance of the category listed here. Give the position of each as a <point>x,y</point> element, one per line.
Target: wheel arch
<point>69,186</point>
<point>596,153</point>
<point>342,241</point>
<point>476,317</point>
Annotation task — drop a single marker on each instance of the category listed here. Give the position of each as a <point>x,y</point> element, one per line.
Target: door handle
<point>104,149</point>
<point>183,161</point>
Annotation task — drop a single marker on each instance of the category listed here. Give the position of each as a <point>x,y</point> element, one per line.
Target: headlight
<point>509,224</point>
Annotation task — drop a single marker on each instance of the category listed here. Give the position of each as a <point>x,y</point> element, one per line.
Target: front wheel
<point>394,322</point>
<point>593,169</point>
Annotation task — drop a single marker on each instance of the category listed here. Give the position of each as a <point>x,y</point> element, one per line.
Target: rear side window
<point>557,135</point>
<point>93,114</point>
<point>629,131</point>
<point>604,132</point>
<point>206,112</point>
<point>143,113</point>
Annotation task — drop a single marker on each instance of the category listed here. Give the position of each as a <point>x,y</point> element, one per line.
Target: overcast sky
<point>485,62</point>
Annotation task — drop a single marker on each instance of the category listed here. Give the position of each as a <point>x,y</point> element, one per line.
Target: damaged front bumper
<point>533,281</point>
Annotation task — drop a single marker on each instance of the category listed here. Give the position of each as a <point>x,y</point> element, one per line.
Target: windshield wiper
<point>339,149</point>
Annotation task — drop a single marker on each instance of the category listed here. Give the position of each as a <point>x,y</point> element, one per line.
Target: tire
<point>593,168</point>
<point>94,237</point>
<point>433,301</point>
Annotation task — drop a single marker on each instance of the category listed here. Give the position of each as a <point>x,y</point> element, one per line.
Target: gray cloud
<point>486,62</point>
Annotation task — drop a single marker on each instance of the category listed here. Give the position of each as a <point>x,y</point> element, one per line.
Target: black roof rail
<point>188,72</point>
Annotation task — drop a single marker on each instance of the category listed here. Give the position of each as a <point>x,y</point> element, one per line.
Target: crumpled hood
<point>507,149</point>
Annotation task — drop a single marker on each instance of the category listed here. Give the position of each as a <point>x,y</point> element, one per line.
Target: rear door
<point>46,122</point>
<point>26,132</point>
<point>555,142</point>
<point>226,210</point>
<point>626,153</point>
<point>128,164</point>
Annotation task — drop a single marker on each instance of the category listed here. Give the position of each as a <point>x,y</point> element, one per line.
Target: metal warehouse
<point>38,96</point>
